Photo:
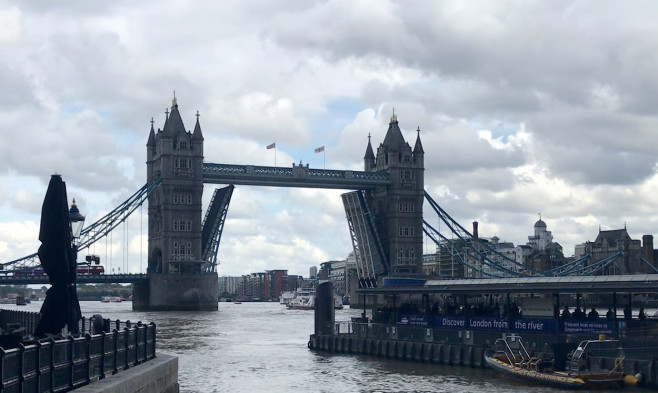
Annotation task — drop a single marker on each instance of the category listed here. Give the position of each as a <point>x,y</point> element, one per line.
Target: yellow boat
<point>586,369</point>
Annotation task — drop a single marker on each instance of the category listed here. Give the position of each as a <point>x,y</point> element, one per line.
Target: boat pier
<point>457,321</point>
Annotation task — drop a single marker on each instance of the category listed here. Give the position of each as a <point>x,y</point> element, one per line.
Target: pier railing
<point>63,364</point>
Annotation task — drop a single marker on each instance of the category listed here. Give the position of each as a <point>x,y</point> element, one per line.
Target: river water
<point>261,347</point>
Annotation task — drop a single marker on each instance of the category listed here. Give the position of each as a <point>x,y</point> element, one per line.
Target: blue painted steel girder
<point>80,279</point>
<point>296,176</point>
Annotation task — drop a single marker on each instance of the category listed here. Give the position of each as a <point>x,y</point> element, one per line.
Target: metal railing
<point>64,364</point>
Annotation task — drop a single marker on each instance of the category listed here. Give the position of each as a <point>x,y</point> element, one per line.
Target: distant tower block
<point>176,278</point>
<point>398,209</point>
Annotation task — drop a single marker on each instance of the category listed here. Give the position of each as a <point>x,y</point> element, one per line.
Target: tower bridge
<point>383,206</point>
<point>384,211</point>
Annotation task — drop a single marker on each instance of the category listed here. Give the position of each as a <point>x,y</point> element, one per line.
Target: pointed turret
<point>151,142</point>
<point>197,128</point>
<point>394,139</point>
<point>174,122</point>
<point>418,147</point>
<point>369,158</point>
<point>165,128</point>
<point>419,153</point>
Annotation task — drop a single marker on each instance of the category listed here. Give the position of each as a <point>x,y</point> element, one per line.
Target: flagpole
<point>324,159</point>
<point>275,155</point>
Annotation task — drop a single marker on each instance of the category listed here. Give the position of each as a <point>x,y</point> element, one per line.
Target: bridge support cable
<point>25,262</point>
<point>489,254</point>
<point>470,255</point>
<point>370,262</point>
<point>643,260</point>
<point>594,268</point>
<point>106,224</point>
<point>213,226</point>
<point>559,271</point>
<point>448,246</point>
<point>476,266</point>
<point>96,231</point>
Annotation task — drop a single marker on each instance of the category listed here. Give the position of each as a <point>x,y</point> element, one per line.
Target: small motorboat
<point>595,364</point>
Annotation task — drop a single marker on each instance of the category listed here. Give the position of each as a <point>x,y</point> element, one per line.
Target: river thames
<point>262,347</point>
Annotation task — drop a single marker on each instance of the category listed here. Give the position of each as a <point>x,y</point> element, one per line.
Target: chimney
<point>475,229</point>
<point>647,248</point>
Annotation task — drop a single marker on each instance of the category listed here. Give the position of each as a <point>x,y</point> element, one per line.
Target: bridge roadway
<point>81,279</point>
<point>296,176</point>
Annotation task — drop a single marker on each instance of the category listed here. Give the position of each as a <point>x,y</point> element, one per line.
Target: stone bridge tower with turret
<point>398,209</point>
<point>177,278</point>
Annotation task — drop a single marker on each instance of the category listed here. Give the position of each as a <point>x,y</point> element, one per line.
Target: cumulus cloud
<point>523,108</point>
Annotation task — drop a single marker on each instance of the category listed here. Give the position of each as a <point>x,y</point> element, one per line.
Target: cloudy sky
<point>524,107</point>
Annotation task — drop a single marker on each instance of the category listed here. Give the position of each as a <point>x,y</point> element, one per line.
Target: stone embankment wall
<point>159,375</point>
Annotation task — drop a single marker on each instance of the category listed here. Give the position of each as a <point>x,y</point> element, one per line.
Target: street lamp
<point>77,220</point>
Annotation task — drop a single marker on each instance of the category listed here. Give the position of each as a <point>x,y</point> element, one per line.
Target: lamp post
<point>77,221</point>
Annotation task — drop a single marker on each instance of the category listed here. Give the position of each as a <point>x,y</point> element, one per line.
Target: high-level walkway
<point>295,176</point>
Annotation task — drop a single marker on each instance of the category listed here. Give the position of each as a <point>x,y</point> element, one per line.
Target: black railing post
<point>52,363</point>
<point>115,369</point>
<point>38,370</point>
<point>2,369</point>
<point>88,355</point>
<point>126,345</point>
<point>136,328</point>
<point>21,367</point>
<point>138,345</point>
<point>101,361</point>
<point>154,338</point>
<point>70,360</point>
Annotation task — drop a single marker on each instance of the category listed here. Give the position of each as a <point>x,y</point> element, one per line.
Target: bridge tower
<point>175,265</point>
<point>398,209</point>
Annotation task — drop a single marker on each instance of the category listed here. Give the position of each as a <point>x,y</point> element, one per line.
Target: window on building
<point>182,163</point>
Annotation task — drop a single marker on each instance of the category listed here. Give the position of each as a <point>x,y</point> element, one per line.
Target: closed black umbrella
<point>61,306</point>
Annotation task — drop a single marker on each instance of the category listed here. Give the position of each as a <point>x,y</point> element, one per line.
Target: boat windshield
<point>598,348</point>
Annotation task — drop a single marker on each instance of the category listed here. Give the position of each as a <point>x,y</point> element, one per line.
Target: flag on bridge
<point>271,146</point>
<point>319,149</point>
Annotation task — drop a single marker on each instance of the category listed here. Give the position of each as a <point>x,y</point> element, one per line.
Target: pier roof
<point>644,283</point>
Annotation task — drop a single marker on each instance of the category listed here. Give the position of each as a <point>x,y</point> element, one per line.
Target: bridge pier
<point>176,292</point>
